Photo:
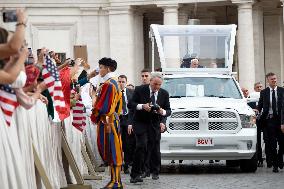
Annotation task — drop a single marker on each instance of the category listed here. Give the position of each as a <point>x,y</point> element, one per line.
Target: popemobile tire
<point>249,165</point>
<point>232,163</point>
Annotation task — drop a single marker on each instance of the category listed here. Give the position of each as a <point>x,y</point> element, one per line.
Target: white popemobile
<point>210,117</point>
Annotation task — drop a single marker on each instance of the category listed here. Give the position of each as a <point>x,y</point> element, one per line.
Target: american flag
<point>51,79</point>
<point>8,102</point>
<point>79,117</point>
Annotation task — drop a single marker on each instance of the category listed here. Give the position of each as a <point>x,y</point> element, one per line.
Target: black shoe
<point>180,161</point>
<point>136,179</point>
<point>211,161</point>
<point>126,171</point>
<point>173,161</point>
<point>281,165</point>
<point>260,164</point>
<point>275,170</point>
<point>155,177</point>
<point>144,175</point>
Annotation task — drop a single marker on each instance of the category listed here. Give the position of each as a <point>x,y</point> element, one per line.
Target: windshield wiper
<point>217,96</point>
<point>176,96</point>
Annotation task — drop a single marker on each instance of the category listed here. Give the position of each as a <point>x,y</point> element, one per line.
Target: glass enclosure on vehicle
<point>179,45</point>
<point>202,87</point>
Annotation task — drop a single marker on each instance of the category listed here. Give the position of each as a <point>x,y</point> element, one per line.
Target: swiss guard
<point>105,114</point>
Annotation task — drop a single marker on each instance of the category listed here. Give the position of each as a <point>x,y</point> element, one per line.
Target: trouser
<point>128,145</point>
<point>153,156</point>
<point>273,135</point>
<point>258,147</point>
<point>139,155</point>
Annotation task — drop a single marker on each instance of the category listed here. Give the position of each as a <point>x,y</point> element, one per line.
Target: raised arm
<point>15,43</point>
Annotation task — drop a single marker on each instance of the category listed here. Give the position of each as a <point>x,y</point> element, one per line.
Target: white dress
<point>15,166</point>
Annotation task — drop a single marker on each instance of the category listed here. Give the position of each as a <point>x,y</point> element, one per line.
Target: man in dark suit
<point>151,107</point>
<point>270,104</point>
<point>128,141</point>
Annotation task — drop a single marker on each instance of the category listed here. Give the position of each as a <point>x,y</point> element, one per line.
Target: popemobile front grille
<point>221,114</point>
<point>217,126</point>
<point>187,114</point>
<point>189,126</point>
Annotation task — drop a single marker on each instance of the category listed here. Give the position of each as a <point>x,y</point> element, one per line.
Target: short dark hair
<point>123,76</point>
<point>269,74</point>
<point>112,64</point>
<point>145,70</point>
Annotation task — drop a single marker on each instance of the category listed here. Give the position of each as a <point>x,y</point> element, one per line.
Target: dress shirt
<point>140,106</point>
<point>126,100</point>
<point>270,104</point>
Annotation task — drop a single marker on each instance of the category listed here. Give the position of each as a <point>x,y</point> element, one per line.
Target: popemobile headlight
<point>248,121</point>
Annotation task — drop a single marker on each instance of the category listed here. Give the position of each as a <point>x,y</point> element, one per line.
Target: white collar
<point>275,89</point>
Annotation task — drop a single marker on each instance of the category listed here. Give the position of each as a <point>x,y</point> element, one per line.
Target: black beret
<point>108,62</point>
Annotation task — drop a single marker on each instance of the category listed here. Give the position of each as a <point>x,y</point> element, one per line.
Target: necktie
<point>274,103</point>
<point>153,101</point>
<point>124,109</point>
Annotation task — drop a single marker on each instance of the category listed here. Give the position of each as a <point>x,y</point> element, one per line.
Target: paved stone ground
<point>202,175</point>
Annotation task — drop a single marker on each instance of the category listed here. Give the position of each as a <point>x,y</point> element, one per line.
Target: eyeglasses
<point>144,75</point>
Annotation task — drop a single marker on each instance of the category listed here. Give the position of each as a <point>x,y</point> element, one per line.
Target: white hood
<point>188,103</point>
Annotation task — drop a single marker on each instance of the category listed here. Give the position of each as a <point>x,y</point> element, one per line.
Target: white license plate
<point>204,142</point>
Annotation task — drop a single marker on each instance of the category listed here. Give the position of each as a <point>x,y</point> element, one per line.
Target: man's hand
<point>108,127</point>
<point>161,111</point>
<point>130,129</point>
<point>146,107</point>
<point>282,128</point>
<point>162,127</point>
<point>92,74</point>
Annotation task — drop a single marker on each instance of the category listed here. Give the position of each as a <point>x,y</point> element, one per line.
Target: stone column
<point>139,45</point>
<point>182,20</point>
<point>282,44</point>
<point>282,10</point>
<point>104,36</point>
<point>171,44</point>
<point>258,44</point>
<point>245,45</point>
<point>122,40</point>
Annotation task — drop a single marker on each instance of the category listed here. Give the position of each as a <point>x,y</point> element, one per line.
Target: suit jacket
<point>264,102</point>
<point>142,119</point>
<point>126,121</point>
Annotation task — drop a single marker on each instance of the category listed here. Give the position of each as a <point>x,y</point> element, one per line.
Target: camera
<point>10,16</point>
<point>155,107</point>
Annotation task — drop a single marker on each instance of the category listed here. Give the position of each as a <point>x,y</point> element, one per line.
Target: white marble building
<point>119,29</point>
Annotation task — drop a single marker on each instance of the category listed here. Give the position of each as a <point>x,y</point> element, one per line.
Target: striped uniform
<point>108,105</point>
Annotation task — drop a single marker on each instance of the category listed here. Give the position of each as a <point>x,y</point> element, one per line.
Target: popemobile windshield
<point>213,45</point>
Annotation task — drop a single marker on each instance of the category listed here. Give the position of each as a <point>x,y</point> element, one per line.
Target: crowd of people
<point>268,106</point>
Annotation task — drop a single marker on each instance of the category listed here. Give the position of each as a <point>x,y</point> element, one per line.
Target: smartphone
<point>10,16</point>
<point>30,59</point>
<point>30,52</point>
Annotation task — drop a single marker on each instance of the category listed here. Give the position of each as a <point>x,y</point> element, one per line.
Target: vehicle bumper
<point>241,145</point>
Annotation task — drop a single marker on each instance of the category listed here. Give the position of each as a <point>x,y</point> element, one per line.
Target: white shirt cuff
<point>164,112</point>
<point>139,107</point>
